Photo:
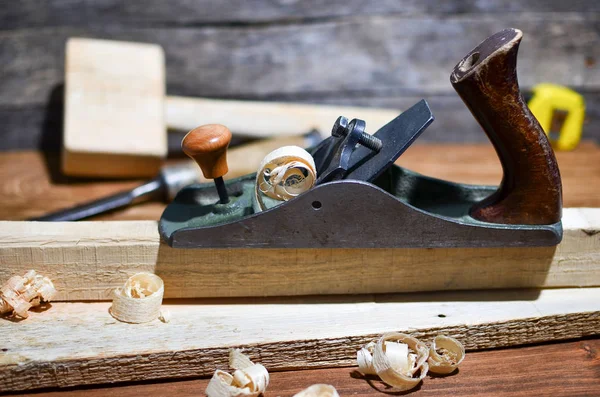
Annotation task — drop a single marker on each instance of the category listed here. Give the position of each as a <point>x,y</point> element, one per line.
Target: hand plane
<point>362,200</point>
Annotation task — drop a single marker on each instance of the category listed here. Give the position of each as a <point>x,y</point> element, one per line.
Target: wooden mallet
<point>117,114</point>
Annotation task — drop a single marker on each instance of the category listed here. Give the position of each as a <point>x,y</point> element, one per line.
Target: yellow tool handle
<point>561,112</point>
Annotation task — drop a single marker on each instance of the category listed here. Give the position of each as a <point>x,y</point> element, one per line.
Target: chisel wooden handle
<point>486,79</point>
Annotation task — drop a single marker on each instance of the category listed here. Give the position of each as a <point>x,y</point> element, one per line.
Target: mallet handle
<point>267,119</point>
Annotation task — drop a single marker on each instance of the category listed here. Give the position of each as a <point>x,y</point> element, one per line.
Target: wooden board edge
<point>280,356</point>
<point>100,256</point>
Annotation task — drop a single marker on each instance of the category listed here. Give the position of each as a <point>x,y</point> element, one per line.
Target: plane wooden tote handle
<point>530,192</point>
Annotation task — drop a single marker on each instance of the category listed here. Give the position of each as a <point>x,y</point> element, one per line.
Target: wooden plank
<point>32,186</point>
<point>88,260</point>
<point>80,343</point>
<point>31,13</point>
<point>515,372</point>
<point>257,62</point>
<point>249,62</point>
<point>409,55</point>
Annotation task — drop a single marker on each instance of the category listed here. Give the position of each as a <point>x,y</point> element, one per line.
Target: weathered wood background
<point>373,53</point>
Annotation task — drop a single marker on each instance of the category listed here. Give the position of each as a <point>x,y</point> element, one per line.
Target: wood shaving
<point>319,390</point>
<point>445,354</point>
<point>165,316</point>
<point>285,173</point>
<point>139,300</point>
<point>396,352</point>
<point>248,380</point>
<point>395,358</point>
<point>19,294</point>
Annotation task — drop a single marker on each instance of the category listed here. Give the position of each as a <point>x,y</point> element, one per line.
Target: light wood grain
<point>114,115</point>
<point>88,260</point>
<point>80,343</point>
<point>504,372</point>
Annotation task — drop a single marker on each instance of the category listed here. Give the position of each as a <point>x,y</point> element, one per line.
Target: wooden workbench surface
<point>561,369</point>
<point>32,186</point>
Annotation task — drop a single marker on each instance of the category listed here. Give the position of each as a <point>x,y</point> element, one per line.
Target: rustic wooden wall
<point>373,53</point>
